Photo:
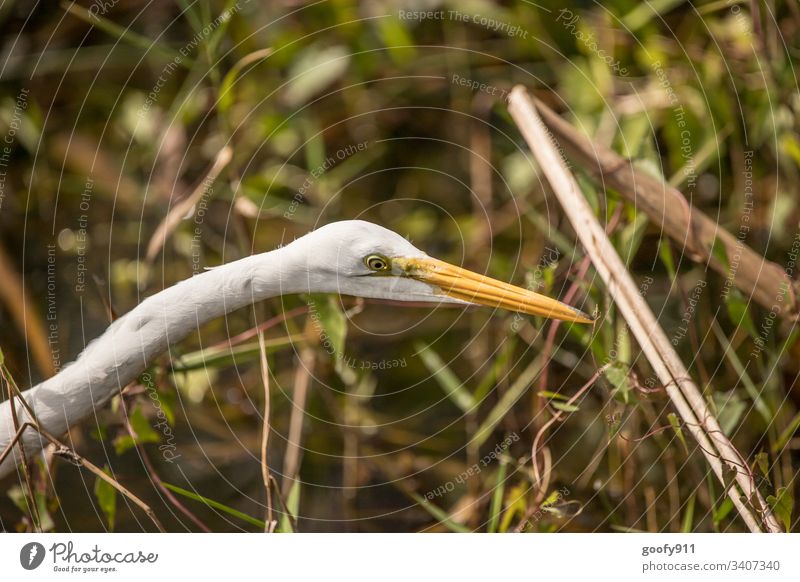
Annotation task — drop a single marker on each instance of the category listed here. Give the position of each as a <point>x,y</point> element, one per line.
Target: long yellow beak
<point>474,288</point>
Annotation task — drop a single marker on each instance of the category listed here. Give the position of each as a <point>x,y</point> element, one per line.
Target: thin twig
<point>66,452</point>
<point>183,207</point>
<point>270,524</point>
<point>155,477</point>
<point>74,458</point>
<point>556,417</point>
<point>681,390</point>
<point>13,390</point>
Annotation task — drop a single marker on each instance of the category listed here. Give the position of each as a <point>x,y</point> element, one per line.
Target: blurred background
<point>144,143</point>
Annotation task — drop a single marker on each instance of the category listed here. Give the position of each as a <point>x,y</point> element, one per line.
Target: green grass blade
<point>496,506</point>
<point>688,517</point>
<point>447,379</point>
<point>125,35</point>
<point>440,515</point>
<point>507,400</point>
<point>216,505</point>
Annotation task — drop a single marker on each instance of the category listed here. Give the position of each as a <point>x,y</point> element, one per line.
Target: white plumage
<point>351,257</point>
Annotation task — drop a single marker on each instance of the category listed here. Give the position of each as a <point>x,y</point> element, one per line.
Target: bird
<point>349,257</point>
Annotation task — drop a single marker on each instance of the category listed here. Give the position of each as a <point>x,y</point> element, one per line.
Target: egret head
<point>354,257</point>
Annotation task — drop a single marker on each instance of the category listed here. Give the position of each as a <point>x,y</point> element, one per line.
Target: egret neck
<point>350,257</point>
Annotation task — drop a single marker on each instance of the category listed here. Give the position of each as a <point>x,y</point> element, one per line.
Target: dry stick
<point>166,492</point>
<point>64,451</point>
<point>67,453</point>
<point>764,281</point>
<point>302,380</point>
<point>555,418</point>
<point>183,207</point>
<point>270,524</point>
<point>685,396</point>
<point>155,477</point>
<point>30,495</point>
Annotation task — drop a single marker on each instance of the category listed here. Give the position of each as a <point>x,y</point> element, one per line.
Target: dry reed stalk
<point>720,453</point>
<point>763,281</point>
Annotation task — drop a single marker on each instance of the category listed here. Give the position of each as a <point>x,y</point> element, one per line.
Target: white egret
<point>350,257</point>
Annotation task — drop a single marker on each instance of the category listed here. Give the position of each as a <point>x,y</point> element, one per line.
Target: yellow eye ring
<point>377,263</point>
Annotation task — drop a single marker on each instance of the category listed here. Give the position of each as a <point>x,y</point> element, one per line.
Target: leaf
<point>739,312</point>
<point>142,430</point>
<point>141,426</point>
<point>551,499</point>
<point>719,252</point>
<point>330,321</point>
<point>496,367</point>
<point>631,237</point>
<point>558,401</point>
<point>496,507</point>
<point>125,34</point>
<point>449,382</point>
<point>232,356</point>
<point>687,523</point>
<point>635,130</point>
<point>564,407</point>
<point>17,495</point>
<point>791,147</point>
<point>783,505</point>
<point>439,514</point>
<point>106,496</point>
<point>786,434</point>
<point>623,343</point>
<point>292,507</point>
<point>46,522</point>
<point>618,374</point>
<point>665,254</point>
<point>698,163</point>
<point>314,70</point>
<point>762,462</point>
<point>519,173</point>
<point>646,11</point>
<point>397,39</point>
<point>756,394</point>
<point>676,426</point>
<point>552,395</point>
<point>730,408</point>
<point>722,511</point>
<point>146,379</point>
<point>216,505</point>
<point>518,506</point>
<point>21,500</point>
<point>195,384</point>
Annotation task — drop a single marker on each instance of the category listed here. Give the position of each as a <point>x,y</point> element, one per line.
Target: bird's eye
<point>377,262</point>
